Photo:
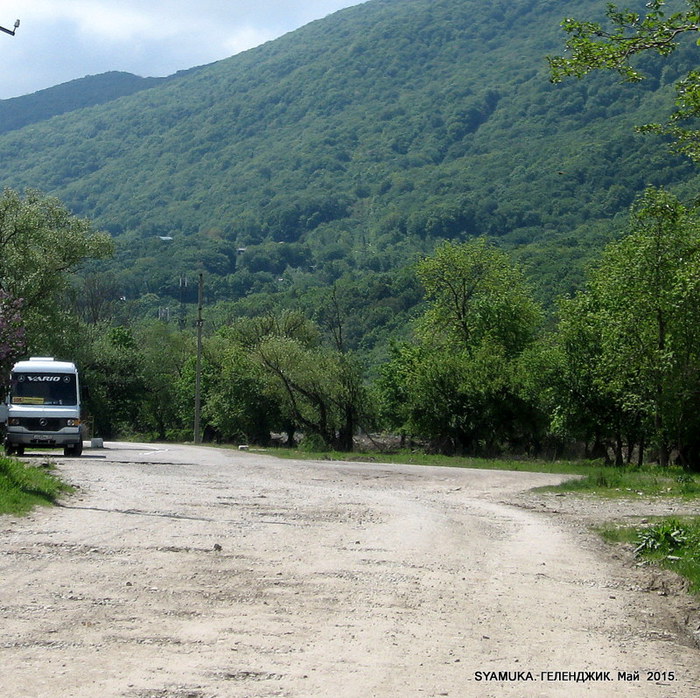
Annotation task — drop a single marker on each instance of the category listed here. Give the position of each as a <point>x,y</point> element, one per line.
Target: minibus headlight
<point>73,422</point>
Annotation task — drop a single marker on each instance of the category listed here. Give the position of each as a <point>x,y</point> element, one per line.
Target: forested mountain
<point>341,151</point>
<point>69,96</point>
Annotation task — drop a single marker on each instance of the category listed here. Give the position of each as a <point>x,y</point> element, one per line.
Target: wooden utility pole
<point>198,374</point>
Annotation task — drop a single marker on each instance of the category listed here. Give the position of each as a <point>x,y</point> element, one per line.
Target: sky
<point>61,40</point>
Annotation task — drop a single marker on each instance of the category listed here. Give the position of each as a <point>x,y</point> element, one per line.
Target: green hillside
<point>343,150</point>
<point>18,112</point>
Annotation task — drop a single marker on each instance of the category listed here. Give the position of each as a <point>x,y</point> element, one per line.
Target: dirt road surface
<point>190,572</point>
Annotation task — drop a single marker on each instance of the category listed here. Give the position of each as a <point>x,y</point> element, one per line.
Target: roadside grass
<point>410,457</point>
<point>22,486</point>
<point>669,542</point>
<point>633,481</point>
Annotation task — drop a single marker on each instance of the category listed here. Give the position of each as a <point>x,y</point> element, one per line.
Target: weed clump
<point>674,544</point>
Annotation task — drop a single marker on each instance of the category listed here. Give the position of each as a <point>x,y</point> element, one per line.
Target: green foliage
<point>675,544</point>
<point>113,370</point>
<point>393,387</point>
<point>238,404</point>
<point>250,332</point>
<point>629,344</point>
<point>581,403</point>
<point>593,47</point>
<point>319,389</point>
<point>460,384</point>
<point>88,91</point>
<point>12,334</point>
<point>476,295</point>
<point>648,480</point>
<point>163,355</point>
<point>625,35</point>
<point>665,537</point>
<point>41,243</point>
<point>23,487</point>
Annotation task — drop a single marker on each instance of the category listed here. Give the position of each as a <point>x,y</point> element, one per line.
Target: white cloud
<point>90,19</point>
<point>61,40</point>
<point>127,22</point>
<point>244,38</point>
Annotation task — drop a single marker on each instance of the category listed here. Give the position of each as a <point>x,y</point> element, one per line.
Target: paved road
<point>190,572</point>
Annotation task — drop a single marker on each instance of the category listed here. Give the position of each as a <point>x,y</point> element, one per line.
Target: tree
<point>272,372</point>
<point>248,334</point>
<point>581,400</point>
<point>164,352</point>
<point>593,46</point>
<point>649,289</point>
<point>238,404</point>
<point>41,242</point>
<point>461,401</point>
<point>320,388</point>
<point>640,323</point>
<point>394,388</point>
<point>476,294</point>
<point>95,297</point>
<point>458,385</point>
<point>114,374</point>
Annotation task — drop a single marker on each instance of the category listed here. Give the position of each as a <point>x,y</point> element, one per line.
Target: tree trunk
<point>290,429</point>
<point>344,442</point>
<point>658,417</point>
<point>618,450</point>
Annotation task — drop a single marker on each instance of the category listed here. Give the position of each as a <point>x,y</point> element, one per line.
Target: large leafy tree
<point>458,385</point>
<point>639,330</point>
<point>41,242</point>
<point>113,370</point>
<point>642,298</point>
<point>273,372</point>
<point>476,294</point>
<point>163,353</point>
<point>237,405</point>
<point>649,288</point>
<point>321,389</point>
<point>659,28</point>
<point>581,400</point>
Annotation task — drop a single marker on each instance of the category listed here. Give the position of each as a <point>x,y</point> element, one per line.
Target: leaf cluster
<point>593,46</point>
<point>660,30</point>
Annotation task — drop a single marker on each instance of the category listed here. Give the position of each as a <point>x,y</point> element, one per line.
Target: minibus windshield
<point>43,389</point>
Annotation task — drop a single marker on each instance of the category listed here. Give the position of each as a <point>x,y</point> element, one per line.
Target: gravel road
<point>187,572</point>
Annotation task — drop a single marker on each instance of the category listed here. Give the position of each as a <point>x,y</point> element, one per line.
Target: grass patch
<point>614,534</point>
<point>647,481</point>
<point>672,543</point>
<point>408,457</point>
<point>22,487</point>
